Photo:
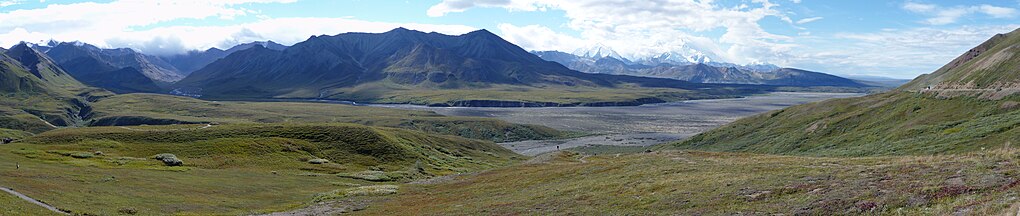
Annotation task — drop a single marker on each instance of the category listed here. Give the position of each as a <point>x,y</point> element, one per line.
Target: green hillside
<point>227,169</point>
<point>36,95</point>
<point>894,123</point>
<point>967,105</point>
<point>135,109</point>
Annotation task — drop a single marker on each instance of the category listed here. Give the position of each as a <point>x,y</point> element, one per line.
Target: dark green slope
<point>119,70</point>
<point>955,115</point>
<point>100,74</point>
<point>35,94</point>
<point>27,70</point>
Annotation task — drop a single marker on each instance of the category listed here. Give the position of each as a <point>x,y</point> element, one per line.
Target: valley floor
<point>633,126</point>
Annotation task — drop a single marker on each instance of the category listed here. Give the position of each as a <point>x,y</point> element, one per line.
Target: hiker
<point>6,140</point>
<point>17,165</point>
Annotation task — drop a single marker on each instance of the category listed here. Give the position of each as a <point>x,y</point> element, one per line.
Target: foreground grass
<point>135,109</point>
<point>701,183</point>
<point>228,169</point>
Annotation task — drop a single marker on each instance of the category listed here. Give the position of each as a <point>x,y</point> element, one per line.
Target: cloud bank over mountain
<point>129,23</point>
<point>833,36</point>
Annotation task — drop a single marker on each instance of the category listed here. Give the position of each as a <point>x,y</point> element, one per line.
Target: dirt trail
<point>47,123</point>
<point>33,201</point>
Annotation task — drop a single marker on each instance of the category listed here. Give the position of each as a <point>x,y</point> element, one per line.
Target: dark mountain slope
<point>120,80</point>
<point>401,59</point>
<point>26,70</point>
<point>955,115</point>
<point>154,68</point>
<point>36,94</point>
<point>194,60</point>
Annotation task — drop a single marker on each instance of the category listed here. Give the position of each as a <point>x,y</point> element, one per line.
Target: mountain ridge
<point>758,74</point>
<point>334,66</point>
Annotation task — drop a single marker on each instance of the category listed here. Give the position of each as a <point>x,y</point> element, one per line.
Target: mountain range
<point>124,70</point>
<point>969,104</point>
<point>333,66</point>
<point>694,66</point>
<point>404,66</point>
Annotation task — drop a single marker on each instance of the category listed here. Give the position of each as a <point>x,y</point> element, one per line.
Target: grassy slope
<point>12,205</point>
<point>700,183</point>
<point>894,123</point>
<point>26,97</point>
<point>194,110</point>
<point>229,169</point>
<point>16,134</point>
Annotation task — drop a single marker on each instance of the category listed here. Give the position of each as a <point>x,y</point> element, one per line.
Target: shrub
<point>82,155</point>
<point>369,175</point>
<point>371,190</point>
<point>169,159</point>
<point>128,211</point>
<point>318,161</point>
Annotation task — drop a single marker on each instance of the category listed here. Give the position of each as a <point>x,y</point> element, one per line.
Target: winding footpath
<point>33,201</point>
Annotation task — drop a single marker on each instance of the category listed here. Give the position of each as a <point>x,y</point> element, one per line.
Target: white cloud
<point>807,20</point>
<point>918,7</point>
<point>116,24</point>
<point>6,3</point>
<point>642,28</point>
<point>997,12</point>
<point>902,53</point>
<point>540,38</point>
<point>949,15</point>
<point>455,6</point>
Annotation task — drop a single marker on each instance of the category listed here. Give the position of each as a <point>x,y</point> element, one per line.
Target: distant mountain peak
<point>400,29</point>
<point>597,51</point>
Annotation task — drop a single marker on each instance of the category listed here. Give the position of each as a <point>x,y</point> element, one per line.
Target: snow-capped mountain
<point>597,51</point>
<point>690,64</point>
<point>43,46</point>
<point>681,55</point>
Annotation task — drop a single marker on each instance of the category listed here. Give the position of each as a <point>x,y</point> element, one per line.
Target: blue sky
<point>885,38</point>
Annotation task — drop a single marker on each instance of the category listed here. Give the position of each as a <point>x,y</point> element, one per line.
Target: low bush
<point>318,161</point>
<point>82,155</point>
<point>169,159</point>
<point>371,190</point>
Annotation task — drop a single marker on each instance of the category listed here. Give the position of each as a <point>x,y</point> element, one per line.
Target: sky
<point>899,39</point>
